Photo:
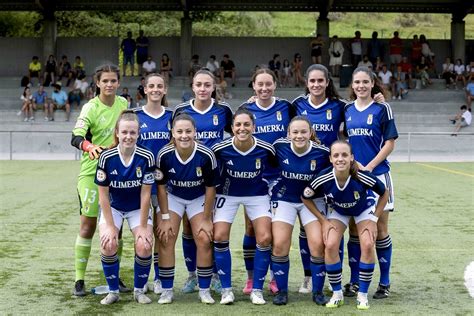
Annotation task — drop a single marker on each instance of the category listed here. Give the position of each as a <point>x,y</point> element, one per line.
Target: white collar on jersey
<point>248,151</point>
<point>191,102</point>
<point>302,154</point>
<point>131,158</point>
<point>337,184</point>
<point>190,157</point>
<point>362,108</point>
<point>317,106</point>
<point>268,107</point>
<point>154,116</point>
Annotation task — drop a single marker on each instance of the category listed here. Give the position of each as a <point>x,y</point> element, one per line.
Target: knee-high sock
<point>384,254</point>
<point>167,277</point>
<point>365,276</point>
<point>189,252</point>
<point>204,277</point>
<point>223,260</point>
<point>249,245</point>
<point>304,252</point>
<point>141,271</point>
<point>281,269</point>
<point>156,266</point>
<point>262,261</point>
<point>334,272</point>
<point>82,251</point>
<point>111,267</point>
<point>318,272</point>
<point>353,252</point>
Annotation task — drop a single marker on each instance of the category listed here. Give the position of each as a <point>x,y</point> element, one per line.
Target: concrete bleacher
<point>426,110</point>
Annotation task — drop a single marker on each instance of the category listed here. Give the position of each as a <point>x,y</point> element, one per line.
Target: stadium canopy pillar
<point>186,43</point>
<point>458,39</point>
<point>322,25</point>
<point>49,35</point>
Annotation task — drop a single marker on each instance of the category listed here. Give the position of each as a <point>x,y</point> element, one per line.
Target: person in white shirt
<point>149,66</point>
<point>448,72</point>
<point>365,62</point>
<point>459,70</point>
<point>213,65</point>
<point>462,119</point>
<point>387,79</point>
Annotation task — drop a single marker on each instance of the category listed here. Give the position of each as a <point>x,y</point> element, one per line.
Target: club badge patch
<point>370,118</point>
<point>258,163</point>
<point>139,172</point>
<point>308,192</point>
<point>279,117</point>
<point>158,175</point>
<point>101,175</point>
<point>215,119</point>
<point>199,171</point>
<point>356,195</point>
<point>313,165</point>
<point>328,114</point>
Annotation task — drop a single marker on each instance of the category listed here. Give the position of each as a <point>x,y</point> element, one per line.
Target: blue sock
<point>318,272</point>
<point>189,252</point>
<point>384,253</point>
<point>262,261</point>
<point>365,276</point>
<point>341,249</point>
<point>111,267</point>
<point>141,270</point>
<point>249,245</point>
<point>223,261</point>
<point>353,252</point>
<point>167,277</point>
<point>304,252</point>
<point>281,269</point>
<point>204,277</point>
<point>334,272</point>
<point>156,266</point>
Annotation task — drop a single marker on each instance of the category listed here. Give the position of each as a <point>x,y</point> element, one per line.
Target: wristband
<point>165,216</point>
<point>86,145</point>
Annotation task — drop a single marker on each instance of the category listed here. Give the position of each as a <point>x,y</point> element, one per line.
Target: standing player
<point>93,132</point>
<point>124,177</point>
<point>371,129</point>
<point>243,160</point>
<point>187,177</point>
<point>155,126</point>
<point>212,119</point>
<point>272,116</point>
<point>300,157</point>
<point>348,193</point>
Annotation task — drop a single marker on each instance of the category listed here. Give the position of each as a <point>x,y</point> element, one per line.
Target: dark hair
<point>164,101</point>
<point>243,111</point>
<point>212,56</point>
<point>226,55</point>
<point>183,117</point>
<point>463,107</point>
<point>263,71</point>
<point>126,115</point>
<point>354,167</point>
<point>105,68</point>
<point>304,118</point>
<point>24,91</point>
<point>377,88</point>
<point>276,55</point>
<point>331,92</point>
<point>165,55</point>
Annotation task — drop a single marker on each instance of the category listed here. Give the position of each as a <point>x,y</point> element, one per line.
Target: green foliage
<point>20,24</point>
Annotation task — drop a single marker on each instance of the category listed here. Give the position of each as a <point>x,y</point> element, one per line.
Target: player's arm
<point>211,179</point>
<point>384,152</point>
<point>109,234</point>
<point>143,232</point>
<point>81,129</point>
<point>83,144</point>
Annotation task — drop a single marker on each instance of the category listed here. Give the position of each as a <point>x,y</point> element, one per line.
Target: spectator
<point>165,67</point>
<point>448,73</point>
<point>375,49</point>
<point>50,68</point>
<point>194,66</point>
<point>336,51</point>
<point>297,69</point>
<point>316,44</point>
<point>459,70</point>
<point>426,50</point>
<point>275,66</point>
<point>221,90</point>
<point>462,119</point>
<point>213,66</point>
<point>78,68</point>
<point>396,47</point>
<point>149,66</point>
<point>407,69</point>
<point>128,47</point>
<point>79,90</point>
<point>401,85</point>
<point>386,77</point>
<point>127,96</point>
<point>34,70</point>
<point>470,93</point>
<point>365,62</point>
<point>421,72</point>
<point>378,65</point>
<point>470,71</point>
<point>286,73</point>
<point>40,99</point>
<point>356,49</point>
<point>65,70</point>
<point>27,105</point>
<point>140,97</point>
<point>60,101</point>
<point>228,69</point>
<point>142,44</point>
<point>415,50</point>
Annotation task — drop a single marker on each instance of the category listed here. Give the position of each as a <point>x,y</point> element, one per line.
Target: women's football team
<point>319,159</point>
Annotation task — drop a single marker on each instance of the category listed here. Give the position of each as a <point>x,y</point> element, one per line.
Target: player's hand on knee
<point>206,227</point>
<point>327,226</point>
<point>109,238</point>
<point>165,231</point>
<point>371,229</point>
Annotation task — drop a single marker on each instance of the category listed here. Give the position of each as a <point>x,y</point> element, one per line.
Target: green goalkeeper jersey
<point>96,123</point>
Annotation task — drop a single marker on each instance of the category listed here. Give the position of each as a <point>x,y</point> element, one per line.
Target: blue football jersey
<point>297,170</point>
<point>350,200</point>
<point>155,131</point>
<point>211,123</point>
<point>242,172</point>
<point>326,117</point>
<point>187,179</point>
<point>125,180</point>
<point>368,130</point>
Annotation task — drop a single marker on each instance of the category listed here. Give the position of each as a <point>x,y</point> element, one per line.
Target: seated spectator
<point>65,70</point>
<point>365,62</point>
<point>406,68</point>
<point>140,97</point>
<point>297,69</point>
<point>470,71</point>
<point>78,67</point>
<point>149,66</point>
<point>127,96</point>
<point>470,93</point>
<point>213,66</point>
<point>194,66</point>
<point>462,119</point>
<point>50,68</point>
<point>378,65</point>
<point>40,100</point>
<point>228,69</point>
<point>421,72</point>
<point>275,66</point>
<point>221,90</point>
<point>60,101</point>
<point>448,73</point>
<point>34,70</point>
<point>286,73</point>
<point>386,77</point>
<point>459,71</point>
<point>401,83</point>
<point>26,105</point>
<point>165,67</point>
<point>79,90</point>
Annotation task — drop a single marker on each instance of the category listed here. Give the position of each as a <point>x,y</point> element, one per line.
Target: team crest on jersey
<point>215,119</point>
<point>279,117</point>
<point>158,174</point>
<point>101,175</point>
<point>328,114</point>
<point>138,172</point>
<point>308,192</point>
<point>370,118</point>
<point>356,195</point>
<point>258,163</point>
<point>199,171</point>
<point>313,165</point>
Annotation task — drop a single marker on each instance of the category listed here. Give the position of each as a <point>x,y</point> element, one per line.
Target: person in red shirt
<point>396,47</point>
<point>415,50</point>
<point>406,68</point>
